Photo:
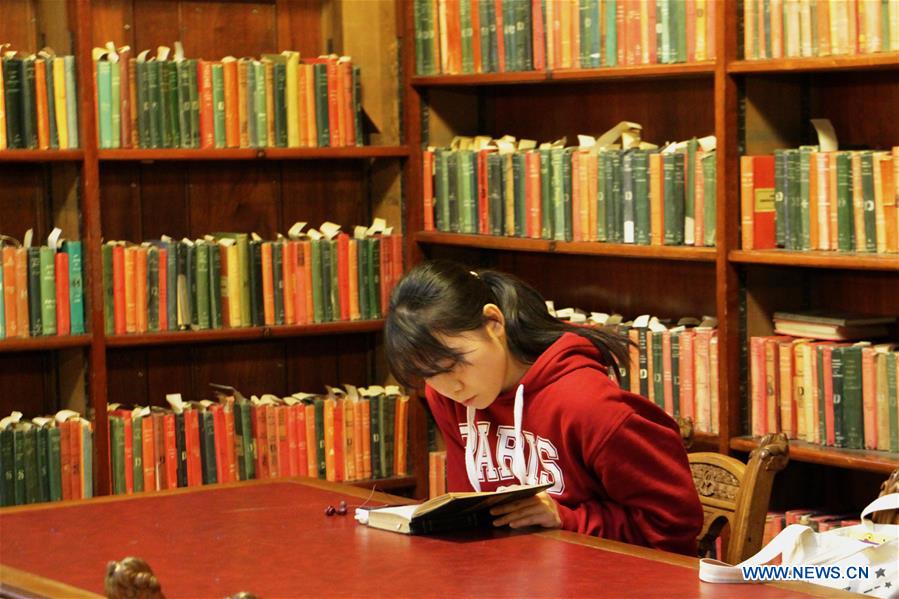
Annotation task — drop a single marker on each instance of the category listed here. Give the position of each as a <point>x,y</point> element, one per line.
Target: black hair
<point>441,297</point>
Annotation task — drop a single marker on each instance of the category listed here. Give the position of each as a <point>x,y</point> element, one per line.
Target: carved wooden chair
<point>737,494</point>
<point>890,485</point>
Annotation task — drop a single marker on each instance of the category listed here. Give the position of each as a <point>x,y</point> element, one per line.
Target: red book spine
<point>159,450</point>
<point>230,461</point>
<point>500,41</point>
<point>118,288</point>
<point>171,452</point>
<point>291,458</point>
<point>483,195</point>
<point>538,44</point>
<point>333,118</point>
<point>283,437</point>
<point>207,131</point>
<point>63,322</point>
<point>339,442</point>
<point>687,396</point>
<point>651,17</point>
<point>427,179</point>
<point>299,419</point>
<point>343,274</point>
<point>125,83</point>
<point>194,456</point>
<point>218,427</point>
<point>763,186</point>
<point>758,387</point>
<point>75,440</point>
<point>299,286</point>
<point>634,48</point>
<point>164,290</point>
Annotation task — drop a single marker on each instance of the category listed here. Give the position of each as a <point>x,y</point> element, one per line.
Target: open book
<point>453,511</point>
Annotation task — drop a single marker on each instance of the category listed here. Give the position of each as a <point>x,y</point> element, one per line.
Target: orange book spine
<point>746,201</point>
<point>358,440</point>
<point>43,115</point>
<point>163,290</point>
<point>271,424</point>
<point>432,474</point>
<point>63,318</point>
<point>869,397</point>
<point>349,440</point>
<point>685,366</point>
<point>171,452</point>
<point>290,421</point>
<point>427,160</point>
<point>333,104</point>
<point>118,288</point>
<point>574,33</point>
<point>330,470</point>
<point>65,459</point>
<point>890,208</point>
<point>307,279</point>
<point>710,9</point>
<point>148,453</point>
<point>75,442</point>
<point>242,116</point>
<point>353,258</point>
<point>787,402</point>
<point>349,110</point>
<point>656,213</point>
<point>813,207</point>
<point>159,451</point>
<point>230,470</point>
<point>500,41</point>
<point>397,256</point>
<point>207,131</point>
<point>339,442</point>
<point>366,438</point>
<point>634,361</point>
<point>532,194</point>
<point>758,388</point>
<point>538,42</point>
<point>232,93</point>
<point>832,200</point>
<point>311,459</point>
<point>140,269</point>
<point>9,291</point>
<point>302,106</point>
<point>401,436</point>
<point>299,419</point>
<point>690,27</point>
<point>343,274</point>
<point>130,267</point>
<point>192,446</point>
<point>288,274</point>
<point>858,203</point>
<point>283,436</point>
<point>268,284</point>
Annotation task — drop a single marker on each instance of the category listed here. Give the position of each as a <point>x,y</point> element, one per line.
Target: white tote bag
<point>863,558</point>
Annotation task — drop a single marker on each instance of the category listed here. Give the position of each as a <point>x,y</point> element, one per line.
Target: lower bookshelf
<point>857,459</point>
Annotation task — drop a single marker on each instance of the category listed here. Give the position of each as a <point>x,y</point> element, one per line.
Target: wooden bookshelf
<point>38,156</point>
<point>243,334</point>
<point>857,62</point>
<point>817,259</point>
<point>48,343</point>
<point>347,153</point>
<point>517,244</point>
<point>854,459</point>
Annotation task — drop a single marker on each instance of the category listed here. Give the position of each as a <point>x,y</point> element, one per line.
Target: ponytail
<point>443,298</point>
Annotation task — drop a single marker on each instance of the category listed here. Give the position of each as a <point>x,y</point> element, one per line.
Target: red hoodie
<point>617,461</point>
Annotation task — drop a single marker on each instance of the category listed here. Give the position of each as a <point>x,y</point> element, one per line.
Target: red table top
<point>274,540</point>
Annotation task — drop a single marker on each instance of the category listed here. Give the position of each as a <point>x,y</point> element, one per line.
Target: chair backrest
<point>890,485</point>
<point>735,493</point>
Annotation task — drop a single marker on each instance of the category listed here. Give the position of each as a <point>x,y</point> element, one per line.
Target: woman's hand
<point>537,510</point>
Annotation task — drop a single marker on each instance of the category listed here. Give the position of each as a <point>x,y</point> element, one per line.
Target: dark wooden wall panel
<point>23,200</point>
<point>301,29</point>
<point>127,377</point>
<point>18,25</point>
<point>549,112</point>
<point>851,101</point>
<point>253,369</point>
<point>234,197</point>
<point>314,362</point>
<point>164,201</point>
<point>29,384</point>
<point>120,202</point>
<point>113,21</point>
<point>212,30</point>
<point>156,23</point>
<point>314,192</point>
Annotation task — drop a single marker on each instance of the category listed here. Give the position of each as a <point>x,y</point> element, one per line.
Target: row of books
<point>802,28</point>
<point>805,199</point>
<point>38,100</point>
<point>585,193</point>
<point>833,394</point>
<point>280,100</point>
<point>229,280</point>
<point>341,435</point>
<point>488,36</point>
<point>45,458</point>
<point>817,520</point>
<point>41,287</point>
<point>672,363</point>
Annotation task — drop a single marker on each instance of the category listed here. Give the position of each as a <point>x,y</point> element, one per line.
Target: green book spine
<point>627,197</point>
<point>207,448</point>
<point>258,314</point>
<point>51,102</point>
<point>171,107</point>
<point>680,30</point>
<point>12,93</point>
<point>334,283</point>
<point>190,275</point>
<point>495,187</point>
<point>467,33</point>
<point>641,196</point>
<point>853,422</point>
<point>376,421</point>
<point>452,163</point>
<point>32,474</point>
<point>780,180</point>
<point>710,198</point>
<point>108,316</point>
<point>104,103</point>
<point>643,361</point>
<point>675,372</point>
<point>357,105</point>
<point>519,174</point>
<point>546,213</point>
<point>893,401</point>
<point>820,402</point>
<point>117,454</point>
<point>487,14</point>
<point>320,437</point>
<point>71,100</point>
<point>240,441</point>
<point>194,103</point>
<point>280,74</point>
<point>184,122</point>
<point>48,290</point>
<point>374,274</point>
<point>215,286</point>
<point>867,171</point>
<point>324,248</point>
<point>156,72</point>
<point>202,278</point>
<point>218,105</point>
<point>690,192</point>
<point>556,157</point>
<point>362,249</point>
<point>321,105</point>
<point>35,309</point>
<point>464,192</point>
<point>115,102</point>
<point>43,470</point>
<point>793,231</point>
<point>261,110</point>
<point>29,104</point>
<point>420,33</point>
<point>137,454</point>
<point>658,370</point>
<point>251,105</point>
<point>7,468</point>
<point>19,465</point>
<point>181,450</point>
<point>153,288</point>
<point>248,441</point>
<point>317,301</point>
<point>836,367</point>
<point>243,256</point>
<point>76,286</point>
<point>441,182</point>
<point>278,279</point>
<point>611,49</point>
<point>805,238</point>
<point>141,71</point>
<point>673,170</point>
<point>602,202</point>
<point>667,46</point>
<point>566,193</point>
<point>613,199</point>
<point>388,441</point>
<point>54,464</point>
<point>87,477</point>
<point>511,53</point>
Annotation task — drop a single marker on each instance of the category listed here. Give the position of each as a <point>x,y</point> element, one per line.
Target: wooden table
<point>273,539</point>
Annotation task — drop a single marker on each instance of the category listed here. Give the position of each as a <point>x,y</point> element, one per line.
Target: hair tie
<point>474,274</point>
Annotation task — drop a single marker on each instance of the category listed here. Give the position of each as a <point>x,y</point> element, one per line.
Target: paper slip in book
<point>446,513</point>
